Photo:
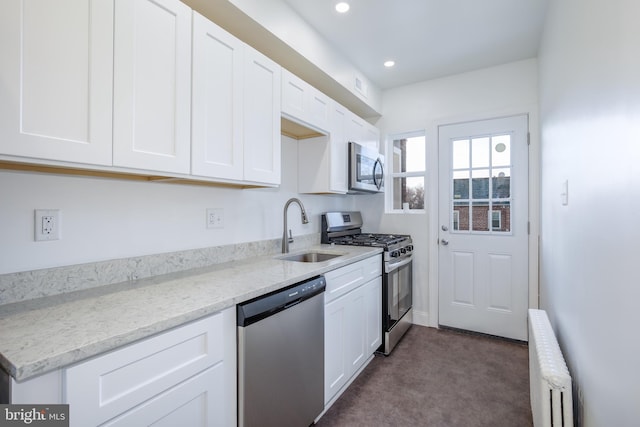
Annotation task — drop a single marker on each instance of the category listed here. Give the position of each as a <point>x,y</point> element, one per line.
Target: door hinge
<point>528,227</point>
<point>528,138</point>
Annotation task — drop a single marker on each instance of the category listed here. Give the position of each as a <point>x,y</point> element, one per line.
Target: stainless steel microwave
<point>366,169</point>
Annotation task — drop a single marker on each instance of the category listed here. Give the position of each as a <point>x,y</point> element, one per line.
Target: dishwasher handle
<point>267,305</point>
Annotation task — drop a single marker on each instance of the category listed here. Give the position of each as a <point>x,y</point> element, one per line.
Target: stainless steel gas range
<point>345,228</point>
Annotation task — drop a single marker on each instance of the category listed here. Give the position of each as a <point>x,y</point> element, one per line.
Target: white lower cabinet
<point>185,376</point>
<point>353,324</point>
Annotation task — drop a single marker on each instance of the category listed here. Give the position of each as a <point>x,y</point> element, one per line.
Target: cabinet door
<point>294,96</point>
<point>373,308</point>
<point>335,367</point>
<point>339,146</point>
<point>109,385</point>
<point>261,118</point>
<point>217,102</point>
<point>152,85</point>
<point>191,403</point>
<point>305,104</point>
<point>355,347</point>
<point>56,74</point>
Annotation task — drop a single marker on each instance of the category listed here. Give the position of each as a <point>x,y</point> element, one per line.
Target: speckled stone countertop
<point>41,335</point>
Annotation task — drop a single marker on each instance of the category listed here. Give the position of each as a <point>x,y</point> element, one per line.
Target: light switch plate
<point>215,218</point>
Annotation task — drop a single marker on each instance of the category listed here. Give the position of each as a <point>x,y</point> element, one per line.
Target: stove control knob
<point>395,254</point>
<point>409,248</point>
<point>403,250</point>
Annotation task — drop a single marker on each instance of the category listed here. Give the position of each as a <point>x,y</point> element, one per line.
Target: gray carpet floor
<point>439,378</point>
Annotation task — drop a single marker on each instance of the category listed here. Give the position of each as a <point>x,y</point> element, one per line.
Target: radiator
<point>549,378</point>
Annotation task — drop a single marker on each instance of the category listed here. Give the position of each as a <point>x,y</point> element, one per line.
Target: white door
<point>483,226</point>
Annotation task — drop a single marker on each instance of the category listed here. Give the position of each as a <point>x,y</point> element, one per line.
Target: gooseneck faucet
<point>286,240</point>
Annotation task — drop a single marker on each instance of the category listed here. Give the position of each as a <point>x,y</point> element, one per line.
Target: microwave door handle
<point>375,181</point>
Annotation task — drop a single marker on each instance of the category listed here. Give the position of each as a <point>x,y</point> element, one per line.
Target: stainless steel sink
<point>310,257</point>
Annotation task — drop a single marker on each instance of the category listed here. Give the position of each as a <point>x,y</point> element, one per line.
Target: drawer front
<point>108,385</point>
<point>345,279</point>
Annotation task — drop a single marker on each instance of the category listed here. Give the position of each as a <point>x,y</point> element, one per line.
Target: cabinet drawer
<point>347,278</point>
<point>108,385</point>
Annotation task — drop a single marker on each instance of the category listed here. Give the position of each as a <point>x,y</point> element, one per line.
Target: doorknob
<point>445,228</point>
<point>444,242</point>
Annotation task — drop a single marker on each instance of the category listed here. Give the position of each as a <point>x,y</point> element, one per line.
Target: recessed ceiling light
<point>389,64</point>
<point>342,7</point>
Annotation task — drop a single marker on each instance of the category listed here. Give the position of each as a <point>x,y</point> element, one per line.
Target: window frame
<point>391,174</point>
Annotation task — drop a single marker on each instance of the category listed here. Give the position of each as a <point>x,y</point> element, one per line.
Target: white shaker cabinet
<point>360,131</point>
<point>304,104</point>
<point>236,108</point>
<point>323,160</point>
<point>152,85</point>
<point>353,323</point>
<point>216,134</point>
<point>184,376</point>
<point>56,79</point>
<point>261,118</point>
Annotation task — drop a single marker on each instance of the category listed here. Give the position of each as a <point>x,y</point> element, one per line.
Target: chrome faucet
<point>286,240</point>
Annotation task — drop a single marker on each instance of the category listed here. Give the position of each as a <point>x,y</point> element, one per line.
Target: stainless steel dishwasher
<point>281,357</point>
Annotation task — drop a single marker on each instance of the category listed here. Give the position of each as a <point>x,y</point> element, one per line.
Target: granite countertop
<point>45,334</point>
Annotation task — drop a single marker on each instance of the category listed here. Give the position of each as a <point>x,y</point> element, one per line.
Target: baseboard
<point>420,318</point>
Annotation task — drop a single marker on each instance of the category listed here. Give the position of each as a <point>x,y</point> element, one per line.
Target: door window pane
<point>501,219</point>
<point>461,154</point>
<point>461,185</point>
<point>480,216</point>
<point>480,152</point>
<point>501,183</point>
<point>480,184</point>
<point>460,215</point>
<point>501,150</point>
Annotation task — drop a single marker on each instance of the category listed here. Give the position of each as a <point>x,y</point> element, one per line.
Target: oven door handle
<point>389,267</point>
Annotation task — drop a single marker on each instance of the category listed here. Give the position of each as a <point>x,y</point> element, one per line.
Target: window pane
<point>501,150</point>
<point>461,185</point>
<point>408,154</point>
<point>480,184</point>
<point>460,216</point>
<point>461,154</point>
<point>480,216</point>
<point>408,190</point>
<point>501,182</point>
<point>501,210</point>
<point>480,152</point>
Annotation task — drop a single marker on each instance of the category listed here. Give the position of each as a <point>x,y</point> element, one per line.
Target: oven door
<point>397,293</point>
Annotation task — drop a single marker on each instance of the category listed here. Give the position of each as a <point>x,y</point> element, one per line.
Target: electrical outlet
<point>215,218</point>
<point>46,224</point>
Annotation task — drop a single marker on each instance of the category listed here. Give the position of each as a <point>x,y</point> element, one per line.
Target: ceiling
<point>427,38</point>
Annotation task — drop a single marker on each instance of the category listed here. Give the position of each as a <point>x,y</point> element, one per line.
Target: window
<point>407,171</point>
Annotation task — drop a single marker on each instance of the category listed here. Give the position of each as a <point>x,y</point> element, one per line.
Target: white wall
<point>492,92</point>
<point>108,219</point>
<point>590,122</point>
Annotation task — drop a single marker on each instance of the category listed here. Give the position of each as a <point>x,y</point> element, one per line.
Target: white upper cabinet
<point>56,79</point>
<point>216,133</point>
<point>322,161</point>
<point>261,118</point>
<point>304,104</point>
<point>362,132</point>
<point>152,85</point>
